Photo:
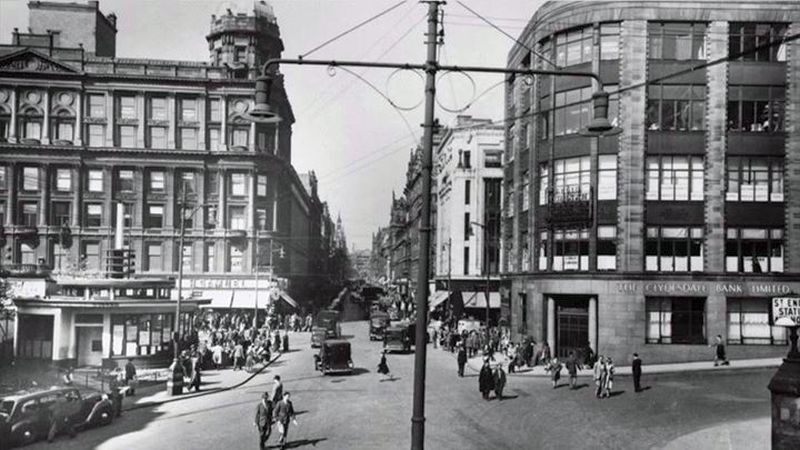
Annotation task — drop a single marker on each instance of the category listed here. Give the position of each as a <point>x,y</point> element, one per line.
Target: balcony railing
<point>25,269</point>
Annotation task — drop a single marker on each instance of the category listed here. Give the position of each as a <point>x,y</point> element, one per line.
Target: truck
<point>378,321</point>
<point>399,336</point>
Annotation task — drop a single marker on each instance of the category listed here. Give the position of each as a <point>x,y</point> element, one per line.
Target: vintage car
<point>318,335</point>
<point>378,321</point>
<point>329,319</point>
<point>397,338</point>
<point>334,357</point>
<point>25,417</point>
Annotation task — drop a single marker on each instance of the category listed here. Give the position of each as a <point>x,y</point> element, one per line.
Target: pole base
<point>174,387</point>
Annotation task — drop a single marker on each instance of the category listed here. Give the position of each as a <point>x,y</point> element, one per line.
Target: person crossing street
<point>284,413</point>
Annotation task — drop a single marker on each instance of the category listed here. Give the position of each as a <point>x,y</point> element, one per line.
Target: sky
<point>350,135</point>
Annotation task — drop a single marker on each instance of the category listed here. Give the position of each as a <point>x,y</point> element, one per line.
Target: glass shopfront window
<point>141,334</point>
<point>675,320</point>
<point>748,323</point>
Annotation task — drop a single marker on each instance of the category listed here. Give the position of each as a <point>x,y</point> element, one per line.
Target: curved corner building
<point>685,225</point>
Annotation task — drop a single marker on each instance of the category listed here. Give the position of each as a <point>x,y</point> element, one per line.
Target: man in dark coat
<point>264,419</point>
<point>636,369</point>
<point>284,413</point>
<point>486,379</point>
<point>462,359</point>
<point>286,342</point>
<point>130,377</point>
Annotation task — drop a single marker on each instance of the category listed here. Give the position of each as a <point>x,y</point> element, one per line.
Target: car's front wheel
<point>26,435</point>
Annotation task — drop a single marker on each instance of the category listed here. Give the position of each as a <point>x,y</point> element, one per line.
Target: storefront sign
<point>200,284</point>
<point>786,311</point>
<point>704,288</point>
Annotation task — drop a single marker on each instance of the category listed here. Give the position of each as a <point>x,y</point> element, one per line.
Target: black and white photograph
<point>394,224</point>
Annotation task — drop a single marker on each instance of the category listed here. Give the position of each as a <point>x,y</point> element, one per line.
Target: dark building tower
<point>245,42</point>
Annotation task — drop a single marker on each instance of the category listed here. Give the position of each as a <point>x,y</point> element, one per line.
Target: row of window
<point>667,249</point>
<point>668,41</point>
<point>682,320</point>
<point>95,215</point>
<point>152,260</point>
<point>156,108</point>
<point>62,181</point>
<point>667,178</point>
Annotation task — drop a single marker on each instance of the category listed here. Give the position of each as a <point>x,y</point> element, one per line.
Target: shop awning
<point>478,299</point>
<point>437,298</point>
<point>245,299</point>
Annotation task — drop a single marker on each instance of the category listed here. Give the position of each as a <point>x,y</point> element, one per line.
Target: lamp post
<point>258,266</point>
<point>485,265</point>
<point>175,385</point>
<point>262,113</point>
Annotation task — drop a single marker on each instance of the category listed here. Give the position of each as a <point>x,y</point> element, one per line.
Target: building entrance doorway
<point>90,345</point>
<point>35,337</point>
<point>572,325</point>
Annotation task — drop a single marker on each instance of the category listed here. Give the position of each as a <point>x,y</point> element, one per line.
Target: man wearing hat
<point>461,358</point>
<point>264,419</point>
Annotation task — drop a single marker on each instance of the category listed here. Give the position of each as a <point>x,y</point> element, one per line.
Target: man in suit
<point>636,369</point>
<point>277,390</point>
<point>461,358</point>
<point>284,413</point>
<point>130,377</point>
<point>264,420</point>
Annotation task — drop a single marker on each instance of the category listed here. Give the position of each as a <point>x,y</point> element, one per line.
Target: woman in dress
<point>383,368</point>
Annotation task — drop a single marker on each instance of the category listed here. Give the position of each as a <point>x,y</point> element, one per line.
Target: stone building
<point>682,227</point>
<point>82,130</point>
<point>469,177</point>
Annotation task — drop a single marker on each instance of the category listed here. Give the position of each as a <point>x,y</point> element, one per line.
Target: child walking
<point>554,367</point>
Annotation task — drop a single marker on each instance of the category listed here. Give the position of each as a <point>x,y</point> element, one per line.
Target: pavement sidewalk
<point>212,381</point>
<point>701,366</point>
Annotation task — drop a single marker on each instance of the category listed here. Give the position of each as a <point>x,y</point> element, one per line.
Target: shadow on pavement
<point>615,393</point>
<point>302,443</point>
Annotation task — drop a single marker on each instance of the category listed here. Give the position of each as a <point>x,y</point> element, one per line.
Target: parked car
<point>334,357</point>
<point>318,335</point>
<point>26,416</point>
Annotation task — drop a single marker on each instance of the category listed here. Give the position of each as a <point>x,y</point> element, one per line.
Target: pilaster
<point>792,159</point>
<point>633,69</point>
<point>716,142</point>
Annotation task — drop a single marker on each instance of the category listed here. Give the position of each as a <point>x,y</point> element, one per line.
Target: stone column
<point>202,119</point>
<point>77,181</point>
<point>716,137</point>
<point>11,193</point>
<point>44,194</point>
<point>631,160</point>
<point>251,202</point>
<point>12,133</point>
<point>78,138</point>
<point>46,118</point>
<point>223,130</point>
<point>141,104</point>
<point>222,181</point>
<point>171,114</point>
<point>110,118</point>
<point>252,137</point>
<point>551,324</point>
<point>593,323</point>
<point>792,158</point>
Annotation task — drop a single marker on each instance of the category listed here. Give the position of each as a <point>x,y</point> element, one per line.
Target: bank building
<point>683,226</point>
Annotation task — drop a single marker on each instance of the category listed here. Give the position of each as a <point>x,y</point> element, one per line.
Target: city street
<point>362,412</point>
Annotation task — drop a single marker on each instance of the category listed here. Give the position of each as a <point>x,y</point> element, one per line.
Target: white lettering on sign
<point>664,288</point>
<point>770,289</point>
<point>786,311</point>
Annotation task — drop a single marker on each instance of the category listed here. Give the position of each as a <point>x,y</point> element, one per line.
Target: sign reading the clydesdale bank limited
<point>786,311</point>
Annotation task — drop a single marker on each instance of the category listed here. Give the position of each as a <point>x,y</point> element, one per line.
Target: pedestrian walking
<point>636,369</point>
<point>499,381</point>
<point>238,356</point>
<point>277,389</point>
<point>284,413</point>
<point>554,367</point>
<point>608,377</point>
<point>461,358</point>
<point>383,368</point>
<point>216,355</point>
<point>598,375</point>
<point>486,379</point>
<point>573,366</point>
<point>194,381</point>
<point>130,377</point>
<point>286,342</point>
<point>114,394</point>
<point>67,377</point>
<point>263,420</point>
<point>61,417</point>
<point>719,356</point>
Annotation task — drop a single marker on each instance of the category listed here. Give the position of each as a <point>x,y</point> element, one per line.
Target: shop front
<point>239,292</point>
<point>668,319</point>
<point>101,322</point>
